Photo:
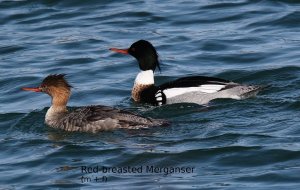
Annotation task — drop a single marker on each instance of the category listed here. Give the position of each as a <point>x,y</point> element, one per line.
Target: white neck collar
<point>145,77</point>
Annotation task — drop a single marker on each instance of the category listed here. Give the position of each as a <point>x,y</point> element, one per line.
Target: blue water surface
<point>249,144</point>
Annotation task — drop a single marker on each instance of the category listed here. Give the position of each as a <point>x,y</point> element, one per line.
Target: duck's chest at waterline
<point>143,81</point>
<point>54,115</point>
<point>137,90</point>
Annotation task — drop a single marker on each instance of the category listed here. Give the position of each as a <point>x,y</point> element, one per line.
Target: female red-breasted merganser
<point>194,89</point>
<point>86,119</point>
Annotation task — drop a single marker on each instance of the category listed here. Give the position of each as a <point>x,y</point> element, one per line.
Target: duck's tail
<point>251,91</point>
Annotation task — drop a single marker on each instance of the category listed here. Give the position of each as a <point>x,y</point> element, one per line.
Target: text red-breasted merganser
<point>93,118</point>
<point>194,89</point>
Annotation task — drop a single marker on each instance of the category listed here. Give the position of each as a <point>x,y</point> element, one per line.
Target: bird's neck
<point>60,97</point>
<point>143,80</point>
<point>57,110</point>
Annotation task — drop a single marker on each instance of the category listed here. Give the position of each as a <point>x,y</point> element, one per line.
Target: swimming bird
<point>92,118</point>
<point>193,89</point>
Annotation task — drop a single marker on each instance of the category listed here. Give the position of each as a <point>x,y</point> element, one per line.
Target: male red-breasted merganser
<point>86,119</point>
<point>194,89</point>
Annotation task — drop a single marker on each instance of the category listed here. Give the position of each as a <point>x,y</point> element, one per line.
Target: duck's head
<point>55,86</point>
<point>144,52</point>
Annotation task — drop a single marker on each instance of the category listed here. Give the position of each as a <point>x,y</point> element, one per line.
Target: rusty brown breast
<point>137,90</point>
